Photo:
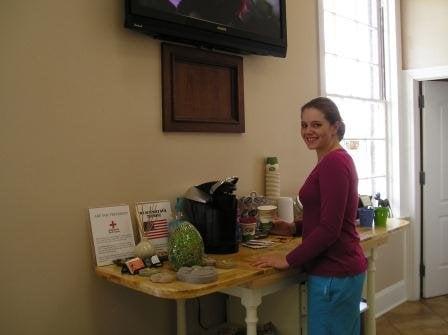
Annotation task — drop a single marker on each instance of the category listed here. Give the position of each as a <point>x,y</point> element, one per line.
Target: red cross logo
<point>113,224</point>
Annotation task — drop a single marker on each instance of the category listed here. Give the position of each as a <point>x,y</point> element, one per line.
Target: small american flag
<point>156,229</point>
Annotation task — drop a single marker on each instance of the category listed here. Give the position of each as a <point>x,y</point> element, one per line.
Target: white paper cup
<point>285,209</point>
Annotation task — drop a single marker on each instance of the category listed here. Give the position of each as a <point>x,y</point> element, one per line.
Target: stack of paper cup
<point>285,209</point>
<point>266,216</point>
<point>272,175</point>
<point>266,213</point>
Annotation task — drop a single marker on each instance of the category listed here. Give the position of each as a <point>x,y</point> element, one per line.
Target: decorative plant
<point>383,202</point>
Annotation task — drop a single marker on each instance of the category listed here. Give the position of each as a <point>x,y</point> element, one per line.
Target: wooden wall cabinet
<point>202,90</point>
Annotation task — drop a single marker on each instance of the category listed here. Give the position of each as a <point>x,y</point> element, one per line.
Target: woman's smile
<point>309,140</point>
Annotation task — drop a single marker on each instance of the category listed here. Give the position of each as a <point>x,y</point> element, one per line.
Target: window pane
<point>366,12</point>
<point>350,39</point>
<point>363,11</point>
<point>366,79</point>
<point>332,44</point>
<point>369,156</point>
<point>346,7</point>
<point>366,44</point>
<point>351,78</point>
<point>379,157</point>
<point>365,187</point>
<point>380,186</point>
<point>330,5</point>
<point>340,32</point>
<point>370,186</point>
<point>360,152</point>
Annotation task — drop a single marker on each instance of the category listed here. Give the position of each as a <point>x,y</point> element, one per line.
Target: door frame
<point>410,168</point>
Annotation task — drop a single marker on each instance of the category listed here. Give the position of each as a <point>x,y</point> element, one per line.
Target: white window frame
<point>392,64</point>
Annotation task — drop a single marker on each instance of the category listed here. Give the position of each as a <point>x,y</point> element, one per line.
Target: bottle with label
<point>272,178</point>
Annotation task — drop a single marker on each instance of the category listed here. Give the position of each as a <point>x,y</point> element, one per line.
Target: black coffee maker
<point>212,208</point>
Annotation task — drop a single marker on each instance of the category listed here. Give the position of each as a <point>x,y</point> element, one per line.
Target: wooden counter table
<point>249,283</point>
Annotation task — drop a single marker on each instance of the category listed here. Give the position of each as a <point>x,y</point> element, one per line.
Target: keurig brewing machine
<point>212,208</point>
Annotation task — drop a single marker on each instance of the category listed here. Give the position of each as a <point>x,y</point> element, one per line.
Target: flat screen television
<point>242,26</point>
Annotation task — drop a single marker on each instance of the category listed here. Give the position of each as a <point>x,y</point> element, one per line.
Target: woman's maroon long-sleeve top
<point>330,245</point>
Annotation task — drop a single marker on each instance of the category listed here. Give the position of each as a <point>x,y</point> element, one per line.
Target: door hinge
<point>421,101</point>
<point>422,270</point>
<point>422,178</point>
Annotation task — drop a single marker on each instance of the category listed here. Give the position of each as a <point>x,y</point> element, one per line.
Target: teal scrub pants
<point>333,305</point>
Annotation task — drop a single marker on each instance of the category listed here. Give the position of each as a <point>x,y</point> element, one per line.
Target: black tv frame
<point>206,34</point>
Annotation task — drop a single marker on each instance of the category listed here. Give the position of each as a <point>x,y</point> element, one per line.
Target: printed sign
<point>153,218</point>
<point>113,237</point>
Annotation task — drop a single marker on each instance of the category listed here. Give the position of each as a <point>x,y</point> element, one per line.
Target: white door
<point>435,191</point>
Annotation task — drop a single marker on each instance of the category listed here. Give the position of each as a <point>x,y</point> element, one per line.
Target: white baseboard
<point>390,297</point>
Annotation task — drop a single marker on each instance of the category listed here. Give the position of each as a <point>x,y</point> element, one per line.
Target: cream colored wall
<point>80,126</point>
<point>390,263</point>
<point>424,33</point>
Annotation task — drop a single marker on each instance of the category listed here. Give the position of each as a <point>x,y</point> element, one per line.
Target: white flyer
<point>112,234</point>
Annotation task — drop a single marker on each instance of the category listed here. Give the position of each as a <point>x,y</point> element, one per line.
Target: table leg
<point>370,313</point>
<point>251,300</point>
<point>181,317</point>
<point>251,297</point>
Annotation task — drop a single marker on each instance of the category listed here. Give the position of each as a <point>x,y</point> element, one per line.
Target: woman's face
<point>317,133</point>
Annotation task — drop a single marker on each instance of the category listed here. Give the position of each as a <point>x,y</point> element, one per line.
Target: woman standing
<point>330,251</point>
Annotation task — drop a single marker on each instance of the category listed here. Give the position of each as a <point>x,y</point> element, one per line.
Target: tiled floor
<point>424,317</point>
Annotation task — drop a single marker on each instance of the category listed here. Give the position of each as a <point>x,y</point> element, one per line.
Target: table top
<point>243,274</point>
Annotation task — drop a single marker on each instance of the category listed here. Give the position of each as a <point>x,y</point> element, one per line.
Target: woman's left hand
<point>275,261</point>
